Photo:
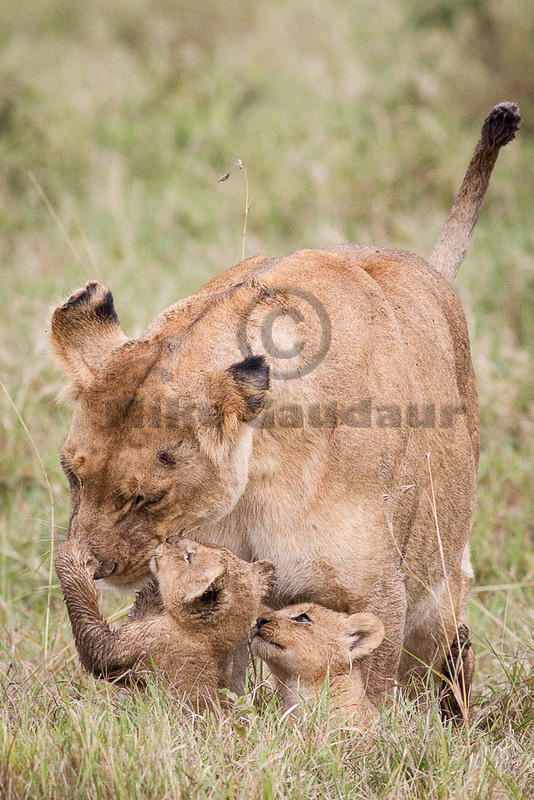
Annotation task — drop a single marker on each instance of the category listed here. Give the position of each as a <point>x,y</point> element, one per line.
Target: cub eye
<point>138,502</point>
<point>301,618</point>
<point>75,482</point>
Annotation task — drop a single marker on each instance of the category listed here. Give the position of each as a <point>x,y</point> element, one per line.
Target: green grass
<point>355,123</point>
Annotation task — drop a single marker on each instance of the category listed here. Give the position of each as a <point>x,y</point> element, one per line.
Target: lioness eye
<point>301,618</point>
<point>166,458</point>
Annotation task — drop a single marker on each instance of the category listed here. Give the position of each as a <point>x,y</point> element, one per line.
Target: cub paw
<point>72,553</point>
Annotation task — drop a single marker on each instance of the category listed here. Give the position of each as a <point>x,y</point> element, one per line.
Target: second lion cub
<point>187,623</point>
<point>306,643</point>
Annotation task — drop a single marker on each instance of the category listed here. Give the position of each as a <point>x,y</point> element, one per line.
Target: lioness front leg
<point>240,664</point>
<point>380,669</point>
<point>104,652</point>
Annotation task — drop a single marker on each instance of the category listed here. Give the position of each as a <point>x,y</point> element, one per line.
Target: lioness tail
<point>500,127</point>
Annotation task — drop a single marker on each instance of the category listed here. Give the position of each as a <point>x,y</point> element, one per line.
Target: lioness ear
<point>237,395</point>
<point>250,383</point>
<point>84,332</point>
<point>265,571</point>
<point>365,632</point>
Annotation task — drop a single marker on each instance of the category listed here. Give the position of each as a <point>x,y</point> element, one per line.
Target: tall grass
<point>355,122</point>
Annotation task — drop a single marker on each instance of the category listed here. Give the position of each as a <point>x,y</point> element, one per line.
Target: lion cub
<point>305,643</point>
<point>186,624</point>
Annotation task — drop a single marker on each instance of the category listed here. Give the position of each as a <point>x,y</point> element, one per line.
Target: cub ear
<point>237,394</point>
<point>206,586</point>
<point>84,332</point>
<point>265,571</point>
<point>365,632</point>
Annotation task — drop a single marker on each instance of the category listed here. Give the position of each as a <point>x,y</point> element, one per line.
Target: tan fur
<point>304,651</point>
<point>344,511</point>
<point>186,625</point>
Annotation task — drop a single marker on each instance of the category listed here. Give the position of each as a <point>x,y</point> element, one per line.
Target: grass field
<point>355,123</point>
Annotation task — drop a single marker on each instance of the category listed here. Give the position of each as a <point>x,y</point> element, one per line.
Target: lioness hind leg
<point>241,659</point>
<point>458,672</point>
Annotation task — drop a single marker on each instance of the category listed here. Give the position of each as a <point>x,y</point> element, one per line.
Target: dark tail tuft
<point>501,125</point>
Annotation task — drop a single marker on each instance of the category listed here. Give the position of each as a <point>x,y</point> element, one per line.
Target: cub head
<point>204,584</point>
<point>308,641</point>
<point>159,442</point>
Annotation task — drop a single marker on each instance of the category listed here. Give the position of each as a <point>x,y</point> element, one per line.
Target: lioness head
<point>209,583</point>
<point>308,641</point>
<point>158,442</point>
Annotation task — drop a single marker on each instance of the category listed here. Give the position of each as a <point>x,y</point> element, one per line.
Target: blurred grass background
<point>355,122</point>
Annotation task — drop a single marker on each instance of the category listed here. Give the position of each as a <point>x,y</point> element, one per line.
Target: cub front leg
<point>104,652</point>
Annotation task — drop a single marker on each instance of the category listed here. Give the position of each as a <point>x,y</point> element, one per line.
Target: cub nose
<point>262,621</point>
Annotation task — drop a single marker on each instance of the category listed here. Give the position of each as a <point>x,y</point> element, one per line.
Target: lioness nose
<point>105,570</point>
<point>262,621</point>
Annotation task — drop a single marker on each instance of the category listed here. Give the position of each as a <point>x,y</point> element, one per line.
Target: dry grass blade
<point>52,512</point>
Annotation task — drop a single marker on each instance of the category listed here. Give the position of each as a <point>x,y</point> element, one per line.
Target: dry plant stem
<point>247,208</point>
<point>461,700</point>
<point>498,621</point>
<point>52,514</point>
<point>55,216</point>
<point>90,254</point>
<point>239,164</point>
<point>501,587</point>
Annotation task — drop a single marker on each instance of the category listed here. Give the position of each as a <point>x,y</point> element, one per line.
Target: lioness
<point>187,624</point>
<point>318,410</point>
<point>305,644</point>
